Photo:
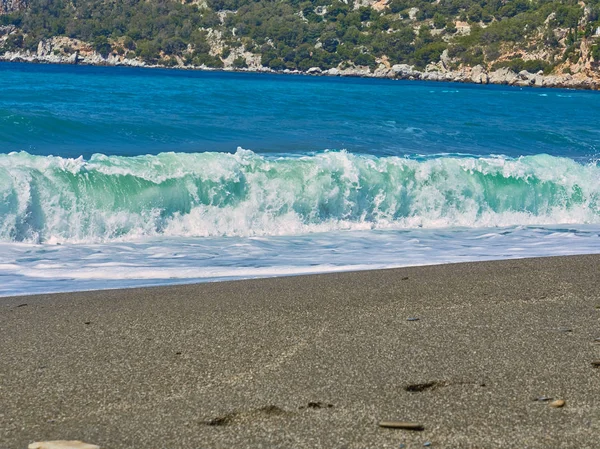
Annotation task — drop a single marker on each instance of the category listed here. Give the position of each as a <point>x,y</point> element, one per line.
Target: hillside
<point>524,42</point>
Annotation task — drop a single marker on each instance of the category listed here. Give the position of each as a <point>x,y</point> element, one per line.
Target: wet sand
<point>313,361</point>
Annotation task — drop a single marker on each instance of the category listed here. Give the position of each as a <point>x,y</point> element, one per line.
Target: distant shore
<point>437,72</point>
<point>474,353</point>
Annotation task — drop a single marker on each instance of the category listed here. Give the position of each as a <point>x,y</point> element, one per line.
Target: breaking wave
<point>106,198</point>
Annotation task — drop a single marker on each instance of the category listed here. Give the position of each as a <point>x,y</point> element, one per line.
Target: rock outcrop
<point>8,6</point>
<point>64,50</point>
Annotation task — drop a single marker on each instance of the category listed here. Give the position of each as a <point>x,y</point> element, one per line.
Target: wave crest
<point>53,199</point>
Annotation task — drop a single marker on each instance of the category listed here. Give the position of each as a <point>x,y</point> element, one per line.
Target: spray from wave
<point>52,199</point>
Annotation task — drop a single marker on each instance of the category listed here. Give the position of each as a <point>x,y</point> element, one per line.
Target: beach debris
<point>269,410</point>
<point>87,322</point>
<point>565,329</point>
<point>543,399</point>
<point>412,319</point>
<point>402,425</point>
<point>596,363</point>
<point>62,444</point>
<point>558,403</point>
<point>596,340</point>
<point>316,404</point>
<point>405,278</point>
<point>427,444</point>
<point>218,421</point>
<point>22,305</point>
<point>257,413</point>
<point>417,388</point>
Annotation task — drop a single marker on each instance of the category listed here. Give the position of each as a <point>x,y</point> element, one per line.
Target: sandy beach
<point>465,350</point>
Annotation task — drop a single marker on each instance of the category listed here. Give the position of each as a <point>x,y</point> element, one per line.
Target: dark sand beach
<point>313,361</point>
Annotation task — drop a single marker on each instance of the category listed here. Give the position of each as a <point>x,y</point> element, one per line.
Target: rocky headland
<point>536,44</point>
<point>51,52</point>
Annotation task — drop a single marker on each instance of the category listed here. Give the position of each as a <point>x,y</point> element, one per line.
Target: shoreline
<point>470,351</point>
<point>467,75</point>
<point>226,279</point>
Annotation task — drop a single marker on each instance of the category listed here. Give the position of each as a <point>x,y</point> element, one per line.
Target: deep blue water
<point>73,111</point>
<point>115,177</point>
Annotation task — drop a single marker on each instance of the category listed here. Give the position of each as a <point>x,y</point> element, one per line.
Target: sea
<point>115,177</point>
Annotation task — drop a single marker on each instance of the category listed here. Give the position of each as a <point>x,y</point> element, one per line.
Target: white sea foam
<point>111,198</point>
<point>75,224</point>
<point>31,268</point>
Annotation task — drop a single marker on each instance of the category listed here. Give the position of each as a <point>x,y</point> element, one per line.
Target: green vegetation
<point>299,34</point>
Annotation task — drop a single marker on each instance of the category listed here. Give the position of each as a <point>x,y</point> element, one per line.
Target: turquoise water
<point>113,177</point>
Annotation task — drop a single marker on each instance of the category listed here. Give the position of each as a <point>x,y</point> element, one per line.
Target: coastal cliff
<point>543,44</point>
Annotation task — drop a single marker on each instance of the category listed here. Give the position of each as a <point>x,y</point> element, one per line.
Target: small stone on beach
<point>596,363</point>
<point>558,403</point>
<point>62,444</point>
<point>412,319</point>
<point>401,425</point>
<point>317,404</point>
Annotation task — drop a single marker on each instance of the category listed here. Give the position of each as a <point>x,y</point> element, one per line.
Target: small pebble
<point>412,319</point>
<point>401,425</point>
<point>558,403</point>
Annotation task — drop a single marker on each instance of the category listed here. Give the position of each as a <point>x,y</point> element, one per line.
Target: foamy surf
<point>33,268</point>
<point>46,199</point>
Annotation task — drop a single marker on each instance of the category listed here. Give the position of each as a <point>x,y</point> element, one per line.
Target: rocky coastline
<point>434,72</point>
